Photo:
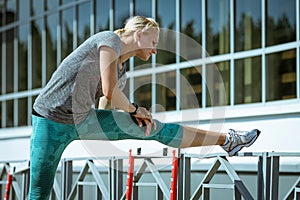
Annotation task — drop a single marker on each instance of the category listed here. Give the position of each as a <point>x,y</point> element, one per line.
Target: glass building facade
<point>215,52</point>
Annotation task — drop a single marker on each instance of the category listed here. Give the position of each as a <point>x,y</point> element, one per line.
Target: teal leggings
<point>49,139</point>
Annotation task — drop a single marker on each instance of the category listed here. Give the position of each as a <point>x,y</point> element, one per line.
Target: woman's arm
<point>111,91</point>
<point>109,76</point>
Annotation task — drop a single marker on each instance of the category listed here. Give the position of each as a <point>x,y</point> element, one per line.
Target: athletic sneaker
<point>236,140</point>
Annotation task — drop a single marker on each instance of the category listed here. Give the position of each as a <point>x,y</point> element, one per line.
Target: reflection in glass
<point>1,115</point>
<point>191,88</point>
<point>143,8</point>
<point>167,43</point>
<point>247,25</point>
<point>166,90</point>
<point>67,32</point>
<point>23,58</point>
<point>24,9</point>
<point>51,47</point>
<point>11,11</point>
<point>217,27</point>
<point>37,7</point>
<point>51,4</point>
<point>1,71</point>
<point>9,39</point>
<point>143,91</point>
<point>9,113</point>
<point>191,27</point>
<point>126,89</point>
<point>281,21</point>
<point>22,112</point>
<point>102,15</point>
<point>66,1</point>
<point>121,13</point>
<point>281,75</point>
<point>36,29</point>
<point>84,13</point>
<point>248,83</point>
<point>218,84</point>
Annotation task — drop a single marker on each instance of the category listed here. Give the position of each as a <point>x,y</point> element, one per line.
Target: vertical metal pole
<point>99,194</point>
<point>80,192</point>
<point>274,180</point>
<point>180,178</point>
<point>67,172</point>
<point>205,193</point>
<point>297,195</point>
<point>159,194</point>
<point>260,179</point>
<point>135,192</point>
<point>266,176</point>
<point>25,184</point>
<point>116,178</point>
<point>237,194</point>
<point>184,183</point>
<point>112,179</point>
<point>119,182</point>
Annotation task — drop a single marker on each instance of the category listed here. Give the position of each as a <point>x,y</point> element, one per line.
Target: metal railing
<point>106,175</point>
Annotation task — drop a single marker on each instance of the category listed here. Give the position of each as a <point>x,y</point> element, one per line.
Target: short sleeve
<point>110,39</point>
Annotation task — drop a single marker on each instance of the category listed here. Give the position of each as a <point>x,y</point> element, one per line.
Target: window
<point>67,1</point>
<point>191,28</point>
<point>121,13</point>
<point>281,75</point>
<point>102,15</point>
<point>84,24</point>
<point>191,88</point>
<point>1,115</point>
<point>67,32</point>
<point>37,7</point>
<point>1,69</point>
<point>51,44</point>
<point>281,21</point>
<point>217,27</point>
<point>9,52</point>
<point>24,9</point>
<point>166,19</point>
<point>247,76</point>
<point>9,113</point>
<point>218,84</point>
<point>166,90</point>
<point>247,25</point>
<point>37,28</point>
<point>23,58</point>
<point>11,11</point>
<point>51,4</point>
<point>143,91</point>
<point>22,111</point>
<point>143,8</point>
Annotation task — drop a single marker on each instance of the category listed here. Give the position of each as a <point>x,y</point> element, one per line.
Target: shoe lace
<point>234,137</point>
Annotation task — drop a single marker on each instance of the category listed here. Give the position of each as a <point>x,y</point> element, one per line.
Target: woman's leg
<point>48,141</point>
<point>193,137</point>
<point>113,125</point>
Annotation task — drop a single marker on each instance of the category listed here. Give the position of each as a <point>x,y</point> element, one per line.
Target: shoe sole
<point>236,149</point>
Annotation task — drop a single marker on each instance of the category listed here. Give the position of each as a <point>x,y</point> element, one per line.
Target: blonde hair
<point>135,23</point>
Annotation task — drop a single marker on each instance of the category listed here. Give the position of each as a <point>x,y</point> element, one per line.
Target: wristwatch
<point>136,109</point>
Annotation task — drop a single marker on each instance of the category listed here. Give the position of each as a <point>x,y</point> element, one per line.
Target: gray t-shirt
<point>76,85</point>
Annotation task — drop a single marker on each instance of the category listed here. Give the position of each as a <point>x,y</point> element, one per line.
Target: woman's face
<point>147,43</point>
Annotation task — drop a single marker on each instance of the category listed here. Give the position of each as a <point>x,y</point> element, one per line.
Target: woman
<point>65,109</point>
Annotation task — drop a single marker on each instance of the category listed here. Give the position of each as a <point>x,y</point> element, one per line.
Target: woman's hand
<point>144,117</point>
